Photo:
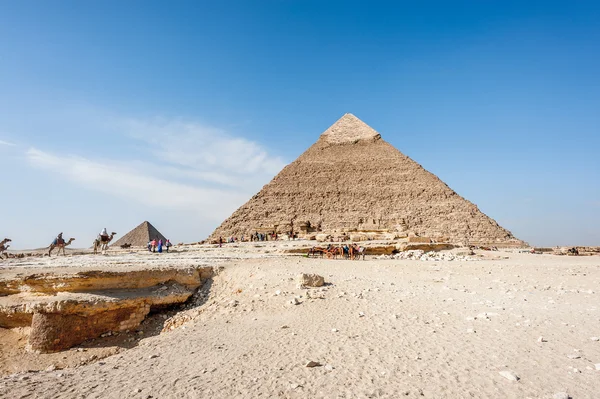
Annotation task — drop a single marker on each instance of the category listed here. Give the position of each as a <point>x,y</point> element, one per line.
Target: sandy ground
<point>380,328</point>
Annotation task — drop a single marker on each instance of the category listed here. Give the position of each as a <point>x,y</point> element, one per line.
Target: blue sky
<point>115,112</point>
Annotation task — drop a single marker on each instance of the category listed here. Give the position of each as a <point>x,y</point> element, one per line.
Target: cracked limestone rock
<point>310,280</point>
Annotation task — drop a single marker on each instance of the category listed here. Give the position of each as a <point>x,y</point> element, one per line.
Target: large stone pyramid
<point>351,180</point>
<point>140,236</point>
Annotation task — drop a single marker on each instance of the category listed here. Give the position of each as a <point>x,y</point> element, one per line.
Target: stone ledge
<point>63,319</point>
<point>93,280</point>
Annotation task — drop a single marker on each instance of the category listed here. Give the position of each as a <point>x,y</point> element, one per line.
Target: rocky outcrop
<point>66,310</point>
<point>95,280</point>
<point>352,182</point>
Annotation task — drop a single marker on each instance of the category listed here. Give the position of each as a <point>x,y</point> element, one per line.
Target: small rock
<point>294,386</point>
<point>597,365</point>
<point>509,375</point>
<point>361,314</point>
<point>278,292</point>
<point>595,339</point>
<point>52,367</point>
<point>152,356</point>
<point>313,364</point>
<point>561,395</point>
<point>295,301</point>
<point>542,339</point>
<point>574,357</point>
<point>310,280</point>
<point>137,390</point>
<point>284,326</point>
<point>329,367</point>
<point>470,330</point>
<point>334,330</point>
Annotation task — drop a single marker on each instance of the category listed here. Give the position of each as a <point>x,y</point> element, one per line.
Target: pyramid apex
<point>349,129</point>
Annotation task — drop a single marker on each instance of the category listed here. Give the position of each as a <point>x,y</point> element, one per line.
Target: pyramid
<point>140,236</point>
<point>351,180</point>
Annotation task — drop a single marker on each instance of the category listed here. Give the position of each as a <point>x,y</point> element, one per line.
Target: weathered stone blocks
<point>52,332</point>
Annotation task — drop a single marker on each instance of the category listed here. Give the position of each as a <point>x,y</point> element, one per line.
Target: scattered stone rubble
<point>427,256</point>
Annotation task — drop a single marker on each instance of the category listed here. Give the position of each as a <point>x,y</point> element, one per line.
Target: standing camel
<point>103,245</point>
<point>60,245</point>
<point>3,246</point>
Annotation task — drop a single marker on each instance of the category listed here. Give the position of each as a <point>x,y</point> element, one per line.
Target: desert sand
<point>379,328</point>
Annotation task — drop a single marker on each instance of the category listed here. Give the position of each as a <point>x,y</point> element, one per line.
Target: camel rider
<point>59,239</point>
<point>103,235</point>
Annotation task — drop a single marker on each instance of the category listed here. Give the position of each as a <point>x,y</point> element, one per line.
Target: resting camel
<point>61,244</point>
<point>102,245</point>
<point>4,246</point>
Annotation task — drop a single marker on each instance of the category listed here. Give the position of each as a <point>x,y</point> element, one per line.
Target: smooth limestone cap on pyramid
<point>351,180</point>
<point>139,236</point>
<point>349,129</point>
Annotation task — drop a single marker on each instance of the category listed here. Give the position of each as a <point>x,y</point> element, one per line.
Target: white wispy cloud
<point>6,143</point>
<point>204,152</point>
<point>131,184</point>
<point>182,165</point>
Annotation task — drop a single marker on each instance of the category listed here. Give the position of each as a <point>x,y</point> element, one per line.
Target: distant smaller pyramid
<point>140,236</point>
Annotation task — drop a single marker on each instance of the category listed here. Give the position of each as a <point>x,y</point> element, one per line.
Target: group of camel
<point>352,252</point>
<point>99,245</point>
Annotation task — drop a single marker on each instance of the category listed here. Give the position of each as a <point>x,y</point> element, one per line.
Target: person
<point>220,242</point>
<point>153,245</point>
<point>149,246</point>
<point>59,239</point>
<point>104,235</point>
<point>167,245</point>
<point>160,245</point>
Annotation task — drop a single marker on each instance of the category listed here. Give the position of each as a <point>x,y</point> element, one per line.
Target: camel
<point>60,245</point>
<point>102,245</point>
<point>4,246</point>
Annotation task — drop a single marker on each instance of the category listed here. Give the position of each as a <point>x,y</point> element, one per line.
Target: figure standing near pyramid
<point>104,235</point>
